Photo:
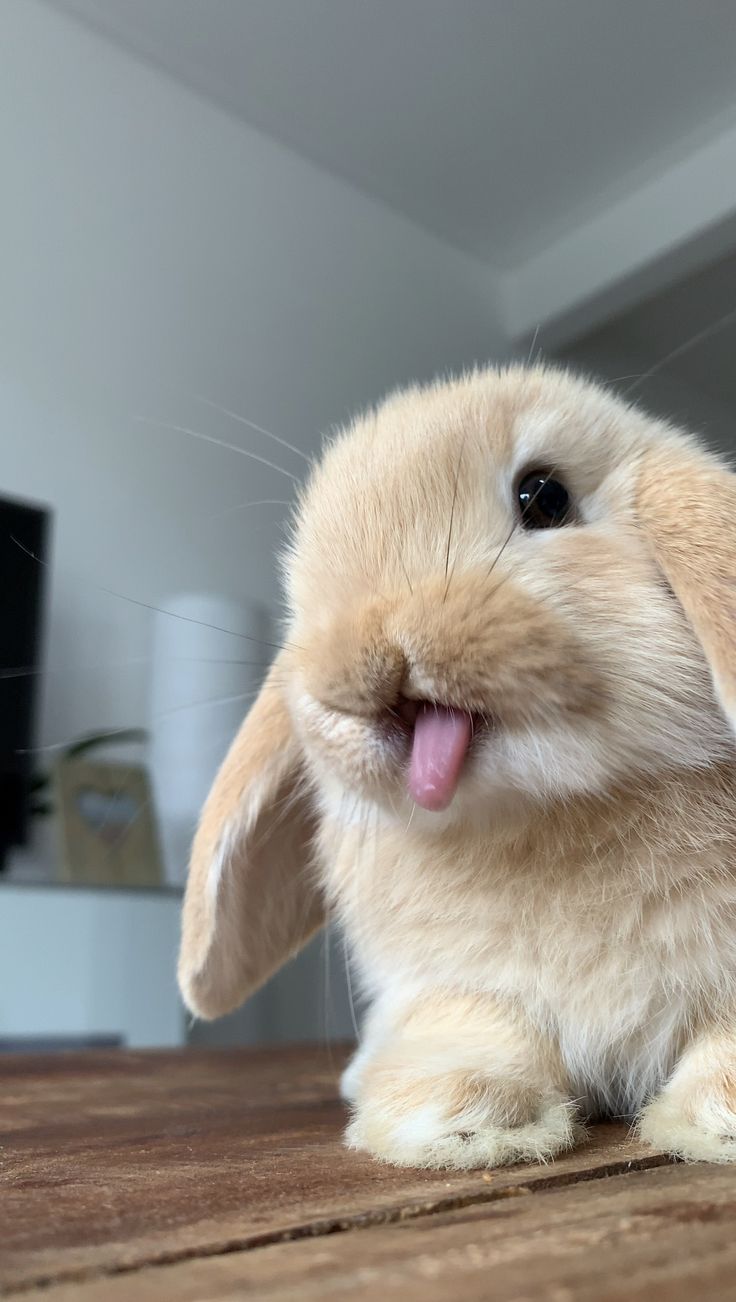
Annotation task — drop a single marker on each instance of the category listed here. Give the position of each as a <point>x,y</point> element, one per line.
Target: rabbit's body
<point>617,977</point>
<point>499,743</point>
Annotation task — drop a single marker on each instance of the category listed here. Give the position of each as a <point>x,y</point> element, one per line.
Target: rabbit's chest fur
<point>613,940</point>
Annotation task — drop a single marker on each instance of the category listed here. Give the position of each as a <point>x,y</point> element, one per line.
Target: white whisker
<point>111,733</point>
<point>211,701</point>
<point>241,506</point>
<point>729,318</point>
<point>220,443</point>
<point>147,605</point>
<point>225,411</point>
<point>532,346</point>
<point>32,671</point>
<point>349,984</point>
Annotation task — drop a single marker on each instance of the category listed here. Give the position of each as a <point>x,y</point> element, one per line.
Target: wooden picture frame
<point>107,826</point>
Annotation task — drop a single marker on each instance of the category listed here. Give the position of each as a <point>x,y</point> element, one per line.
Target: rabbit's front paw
<point>461,1121</point>
<point>697,1124</point>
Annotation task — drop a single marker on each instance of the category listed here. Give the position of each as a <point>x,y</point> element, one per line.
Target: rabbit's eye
<point>544,502</point>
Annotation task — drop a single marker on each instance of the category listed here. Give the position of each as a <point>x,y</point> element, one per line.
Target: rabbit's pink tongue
<point>439,747</point>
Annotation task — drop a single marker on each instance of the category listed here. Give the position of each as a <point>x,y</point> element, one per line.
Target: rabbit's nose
<point>366,682</point>
<point>356,666</point>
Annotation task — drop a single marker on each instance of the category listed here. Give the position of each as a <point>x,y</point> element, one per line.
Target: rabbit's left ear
<point>250,901</point>
<point>687,504</point>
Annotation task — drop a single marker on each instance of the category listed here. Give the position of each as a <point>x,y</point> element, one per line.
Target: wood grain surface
<point>200,1175</point>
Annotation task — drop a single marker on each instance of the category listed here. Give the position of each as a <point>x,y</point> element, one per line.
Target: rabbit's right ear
<point>250,902</point>
<point>687,504</point>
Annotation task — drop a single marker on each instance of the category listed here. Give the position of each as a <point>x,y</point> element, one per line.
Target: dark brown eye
<point>544,502</point>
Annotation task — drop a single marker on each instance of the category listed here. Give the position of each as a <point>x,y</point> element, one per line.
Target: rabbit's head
<point>505,589</point>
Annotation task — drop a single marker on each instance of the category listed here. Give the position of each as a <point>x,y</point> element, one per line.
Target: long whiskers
<point>242,506</point>
<point>221,443</point>
<point>349,986</point>
<point>111,733</point>
<point>452,520</point>
<point>34,671</point>
<point>242,420</point>
<point>532,346</point>
<point>517,524</point>
<point>208,701</point>
<point>406,575</point>
<point>729,318</point>
<point>171,614</point>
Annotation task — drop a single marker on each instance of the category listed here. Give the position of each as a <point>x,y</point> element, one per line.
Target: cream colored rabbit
<point>497,744</point>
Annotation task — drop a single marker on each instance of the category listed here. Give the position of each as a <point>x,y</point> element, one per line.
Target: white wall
<point>155,249</point>
<point>608,356</point>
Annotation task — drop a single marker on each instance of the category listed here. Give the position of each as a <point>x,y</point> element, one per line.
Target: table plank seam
<point>546,1182</point>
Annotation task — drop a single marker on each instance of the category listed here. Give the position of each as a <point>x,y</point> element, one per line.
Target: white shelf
<point>78,961</point>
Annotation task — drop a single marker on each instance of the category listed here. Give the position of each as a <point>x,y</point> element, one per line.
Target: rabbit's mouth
<point>421,748</point>
<point>440,738</point>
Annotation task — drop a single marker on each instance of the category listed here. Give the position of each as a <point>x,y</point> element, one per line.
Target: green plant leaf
<point>117,736</point>
<point>41,810</point>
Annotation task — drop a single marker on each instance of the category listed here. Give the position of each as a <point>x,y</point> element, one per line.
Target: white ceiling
<point>497,124</point>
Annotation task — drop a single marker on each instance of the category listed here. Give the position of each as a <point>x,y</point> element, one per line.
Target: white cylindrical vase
<point>209,660</point>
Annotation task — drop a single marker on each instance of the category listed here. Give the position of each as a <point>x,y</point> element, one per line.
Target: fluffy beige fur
<point>561,941</point>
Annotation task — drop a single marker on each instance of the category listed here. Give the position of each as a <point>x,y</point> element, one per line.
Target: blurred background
<point>220,215</point>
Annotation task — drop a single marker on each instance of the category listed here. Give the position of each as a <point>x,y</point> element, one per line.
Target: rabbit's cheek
<point>364,755</point>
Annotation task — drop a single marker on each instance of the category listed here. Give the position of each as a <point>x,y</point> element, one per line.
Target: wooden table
<point>161,1176</point>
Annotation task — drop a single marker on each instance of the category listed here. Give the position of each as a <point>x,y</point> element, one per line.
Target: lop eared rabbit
<point>497,746</point>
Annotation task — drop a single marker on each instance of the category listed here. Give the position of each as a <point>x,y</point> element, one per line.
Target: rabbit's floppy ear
<point>687,504</point>
<point>250,903</point>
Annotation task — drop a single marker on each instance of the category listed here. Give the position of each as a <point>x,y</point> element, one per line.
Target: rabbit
<point>497,745</point>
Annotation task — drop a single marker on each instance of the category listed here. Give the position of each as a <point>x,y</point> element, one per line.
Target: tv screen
<point>24,529</point>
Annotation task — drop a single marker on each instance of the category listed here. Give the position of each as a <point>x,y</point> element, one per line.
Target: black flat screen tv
<point>24,536</point>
